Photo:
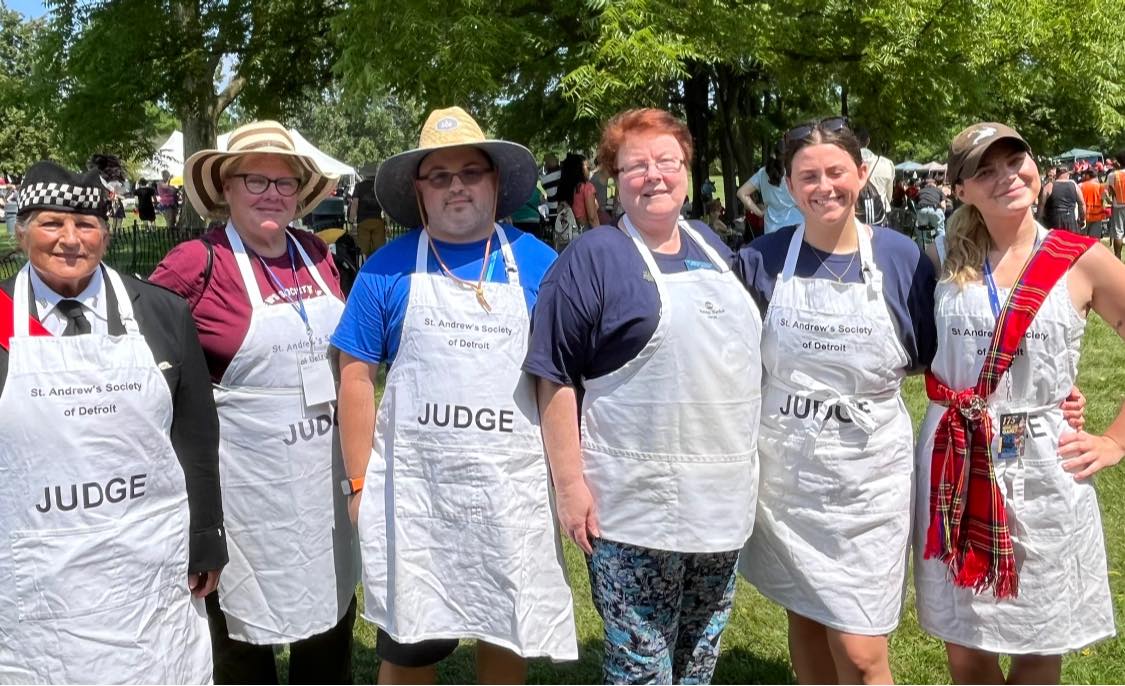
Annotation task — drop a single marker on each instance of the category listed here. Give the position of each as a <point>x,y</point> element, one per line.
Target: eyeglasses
<point>639,169</point>
<point>257,184</point>
<point>827,125</point>
<point>470,176</point>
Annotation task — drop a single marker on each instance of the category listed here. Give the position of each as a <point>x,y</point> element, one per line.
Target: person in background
<point>575,190</point>
<point>1093,199</point>
<point>146,204</point>
<point>769,181</point>
<point>1115,198</point>
<point>1061,203</point>
<point>549,179</point>
<point>112,518</point>
<point>365,212</point>
<point>881,170</point>
<point>931,207</point>
<point>1009,551</point>
<point>526,217</point>
<point>265,298</point>
<point>168,199</point>
<point>643,334</point>
<point>600,178</point>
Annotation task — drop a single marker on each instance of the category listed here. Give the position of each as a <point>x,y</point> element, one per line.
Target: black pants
<point>321,659</point>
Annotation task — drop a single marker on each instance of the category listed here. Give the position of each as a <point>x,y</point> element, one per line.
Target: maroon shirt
<point>222,311</point>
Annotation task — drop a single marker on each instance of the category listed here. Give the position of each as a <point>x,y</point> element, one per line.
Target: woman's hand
<point>1085,454</point>
<point>1074,409</point>
<point>578,515</point>
<point>353,507</point>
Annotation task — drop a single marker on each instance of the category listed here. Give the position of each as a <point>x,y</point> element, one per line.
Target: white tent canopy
<point>170,156</point>
<point>934,166</point>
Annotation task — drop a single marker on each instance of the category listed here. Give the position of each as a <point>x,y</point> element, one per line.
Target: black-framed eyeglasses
<point>258,183</point>
<point>827,125</point>
<point>470,176</point>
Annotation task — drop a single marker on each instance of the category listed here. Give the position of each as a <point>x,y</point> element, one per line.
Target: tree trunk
<point>698,114</point>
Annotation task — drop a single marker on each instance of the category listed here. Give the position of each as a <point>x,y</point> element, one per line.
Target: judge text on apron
<point>96,521</point>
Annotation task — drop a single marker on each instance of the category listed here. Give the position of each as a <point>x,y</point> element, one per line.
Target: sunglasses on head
<point>827,125</point>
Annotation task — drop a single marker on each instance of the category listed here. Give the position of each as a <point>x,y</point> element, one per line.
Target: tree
<point>193,57</point>
<point>26,135</point>
<point>359,130</point>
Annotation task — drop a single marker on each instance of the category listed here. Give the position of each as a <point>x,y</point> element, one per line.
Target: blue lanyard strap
<point>299,304</point>
<point>993,292</point>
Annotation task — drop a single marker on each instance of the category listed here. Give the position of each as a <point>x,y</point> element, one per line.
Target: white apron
<point>293,559</point>
<point>836,444</point>
<point>1064,597</point>
<point>95,570</point>
<point>456,525</point>
<point>669,440</point>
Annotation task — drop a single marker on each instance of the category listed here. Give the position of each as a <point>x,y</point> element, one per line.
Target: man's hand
<point>204,583</point>
<point>353,507</point>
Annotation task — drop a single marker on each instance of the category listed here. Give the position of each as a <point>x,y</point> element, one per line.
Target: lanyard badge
<point>317,384</point>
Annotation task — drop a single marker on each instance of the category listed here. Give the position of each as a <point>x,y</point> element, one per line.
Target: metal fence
<point>134,249</point>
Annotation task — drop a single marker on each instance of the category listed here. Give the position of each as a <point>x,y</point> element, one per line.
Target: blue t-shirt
<point>908,281</point>
<point>371,326</point>
<point>598,306</point>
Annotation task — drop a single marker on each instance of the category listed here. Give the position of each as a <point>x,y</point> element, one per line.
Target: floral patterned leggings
<point>664,612</point>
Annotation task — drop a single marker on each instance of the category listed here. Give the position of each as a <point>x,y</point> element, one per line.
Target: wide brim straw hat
<point>203,171</point>
<point>451,128</point>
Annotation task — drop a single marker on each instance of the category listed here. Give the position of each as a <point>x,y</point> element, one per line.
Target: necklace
<point>839,277</point>
<point>477,287</point>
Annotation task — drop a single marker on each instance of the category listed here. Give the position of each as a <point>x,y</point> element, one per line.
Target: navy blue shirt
<point>908,281</point>
<point>598,305</point>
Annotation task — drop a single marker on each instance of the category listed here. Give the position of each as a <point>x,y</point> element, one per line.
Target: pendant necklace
<point>477,287</point>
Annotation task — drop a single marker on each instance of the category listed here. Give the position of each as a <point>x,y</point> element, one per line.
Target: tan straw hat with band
<point>451,128</point>
<point>203,171</point>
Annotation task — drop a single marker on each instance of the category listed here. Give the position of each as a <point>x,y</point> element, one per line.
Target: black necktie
<point>76,322</point>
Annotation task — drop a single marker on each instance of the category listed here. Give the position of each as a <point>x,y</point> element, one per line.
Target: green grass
<point>754,645</point>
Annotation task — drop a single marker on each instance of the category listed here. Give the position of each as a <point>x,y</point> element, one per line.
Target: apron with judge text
<point>836,444</point>
<point>456,524</point>
<point>94,521</point>
<point>293,565</point>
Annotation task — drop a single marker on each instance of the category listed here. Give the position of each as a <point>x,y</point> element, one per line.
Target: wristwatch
<point>352,486</point>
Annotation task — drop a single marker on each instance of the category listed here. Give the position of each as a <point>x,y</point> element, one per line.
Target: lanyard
<point>993,292</point>
<point>299,305</point>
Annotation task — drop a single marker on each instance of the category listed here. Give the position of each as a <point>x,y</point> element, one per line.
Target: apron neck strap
<point>246,269</point>
<point>422,255</point>
<point>868,270</point>
<point>249,282</point>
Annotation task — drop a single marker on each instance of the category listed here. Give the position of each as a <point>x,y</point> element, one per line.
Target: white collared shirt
<point>92,298</point>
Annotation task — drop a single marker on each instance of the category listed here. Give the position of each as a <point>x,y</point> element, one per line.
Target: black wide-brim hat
<point>49,186</point>
<point>453,128</point>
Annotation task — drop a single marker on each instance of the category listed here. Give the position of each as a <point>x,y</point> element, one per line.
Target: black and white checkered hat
<point>49,186</point>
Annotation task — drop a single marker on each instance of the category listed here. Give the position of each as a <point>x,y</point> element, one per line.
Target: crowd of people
<point>683,412</point>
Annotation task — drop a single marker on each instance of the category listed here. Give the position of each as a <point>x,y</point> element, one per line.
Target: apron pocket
<point>502,488</point>
<point>62,573</point>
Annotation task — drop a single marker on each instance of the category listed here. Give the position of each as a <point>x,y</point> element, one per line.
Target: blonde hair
<point>967,242</point>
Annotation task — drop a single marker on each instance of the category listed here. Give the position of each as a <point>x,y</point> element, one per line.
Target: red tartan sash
<point>968,527</point>
<point>7,322</point>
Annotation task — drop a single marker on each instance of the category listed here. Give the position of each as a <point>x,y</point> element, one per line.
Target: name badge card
<point>317,383</point>
<point>1013,429</point>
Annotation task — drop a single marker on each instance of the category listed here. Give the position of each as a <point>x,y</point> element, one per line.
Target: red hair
<point>645,120</point>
